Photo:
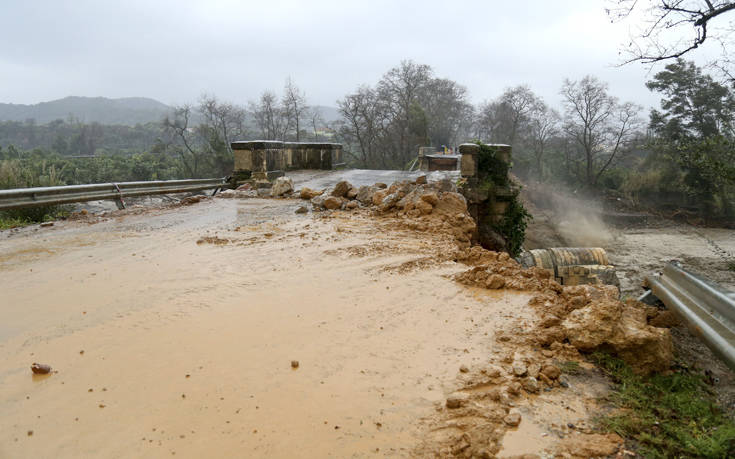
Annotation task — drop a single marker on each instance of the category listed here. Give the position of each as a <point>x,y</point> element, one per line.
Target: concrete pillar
<point>468,160</point>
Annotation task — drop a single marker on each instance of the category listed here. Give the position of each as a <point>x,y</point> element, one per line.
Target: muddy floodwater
<point>172,333</point>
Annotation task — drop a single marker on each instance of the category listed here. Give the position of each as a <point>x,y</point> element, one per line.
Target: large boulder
<point>365,194</point>
<point>281,186</point>
<point>333,202</point>
<point>341,189</point>
<point>308,193</point>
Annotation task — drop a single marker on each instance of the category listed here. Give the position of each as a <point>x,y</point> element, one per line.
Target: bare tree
<point>225,119</point>
<point>183,140</point>
<point>294,104</point>
<point>502,119</point>
<point>672,28</point>
<point>543,125</point>
<point>316,120</point>
<point>600,126</point>
<point>363,116</point>
<point>269,116</point>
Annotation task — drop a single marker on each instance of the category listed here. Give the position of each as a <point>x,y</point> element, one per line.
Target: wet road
<point>173,333</point>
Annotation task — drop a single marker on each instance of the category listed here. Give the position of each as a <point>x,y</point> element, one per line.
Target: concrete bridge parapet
<point>268,159</point>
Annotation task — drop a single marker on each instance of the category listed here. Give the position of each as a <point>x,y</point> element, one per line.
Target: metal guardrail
<point>707,309</point>
<point>55,195</point>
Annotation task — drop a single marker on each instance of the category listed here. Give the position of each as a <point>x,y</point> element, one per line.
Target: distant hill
<point>125,111</point>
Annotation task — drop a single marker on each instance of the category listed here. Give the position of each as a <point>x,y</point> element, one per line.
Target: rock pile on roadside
<point>418,205</point>
<point>588,317</point>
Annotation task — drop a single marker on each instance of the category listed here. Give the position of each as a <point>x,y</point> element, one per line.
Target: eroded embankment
<point>173,333</point>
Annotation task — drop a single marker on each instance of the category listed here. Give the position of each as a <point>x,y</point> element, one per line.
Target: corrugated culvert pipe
<point>573,265</point>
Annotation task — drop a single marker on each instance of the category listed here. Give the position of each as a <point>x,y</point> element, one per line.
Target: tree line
<point>681,153</point>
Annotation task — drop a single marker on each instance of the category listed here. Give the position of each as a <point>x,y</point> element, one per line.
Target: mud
<point>175,331</point>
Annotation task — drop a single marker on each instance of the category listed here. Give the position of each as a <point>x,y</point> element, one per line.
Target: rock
<point>493,371</point>
<point>495,281</point>
<point>244,187</point>
<point>551,371</point>
<point>591,445</point>
<point>318,202</point>
<point>533,370</point>
<point>665,319</point>
<point>40,368</point>
<point>456,400</point>
<point>463,369</point>
<point>430,198</point>
<point>332,203</point>
<point>389,201</point>
<point>302,210</point>
<point>308,193</point>
<point>424,208</point>
<point>421,180</point>
<point>514,388</point>
<point>281,186</point>
<point>47,224</point>
<point>531,385</point>
<point>341,188</point>
<point>294,363</point>
<point>381,185</point>
<point>623,328</point>
<point>352,194</point>
<point>378,197</point>
<point>365,195</point>
<point>351,205</point>
<point>519,369</point>
<point>513,419</point>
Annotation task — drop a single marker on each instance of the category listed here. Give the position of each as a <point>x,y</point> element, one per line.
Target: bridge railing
<point>57,195</point>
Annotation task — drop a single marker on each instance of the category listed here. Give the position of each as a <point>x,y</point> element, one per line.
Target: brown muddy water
<point>173,332</point>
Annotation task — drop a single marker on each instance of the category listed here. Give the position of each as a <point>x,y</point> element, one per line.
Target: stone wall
<point>488,192</point>
<point>268,159</point>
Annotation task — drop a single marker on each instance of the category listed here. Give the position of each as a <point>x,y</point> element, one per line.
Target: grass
<point>667,416</point>
<point>570,367</point>
<point>7,222</point>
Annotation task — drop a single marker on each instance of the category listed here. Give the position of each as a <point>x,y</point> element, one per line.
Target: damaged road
<point>175,331</point>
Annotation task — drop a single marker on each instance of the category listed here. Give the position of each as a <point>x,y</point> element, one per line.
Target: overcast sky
<point>176,50</point>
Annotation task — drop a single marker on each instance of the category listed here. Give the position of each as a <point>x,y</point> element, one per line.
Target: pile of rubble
<point>589,317</point>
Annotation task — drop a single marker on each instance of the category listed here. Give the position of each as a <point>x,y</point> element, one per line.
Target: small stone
<point>352,194</point>
<point>40,368</point>
<point>551,371</point>
<point>351,205</point>
<point>47,224</point>
<point>495,281</point>
<point>514,388</point>
<point>519,369</point>
<point>513,418</point>
<point>534,369</point>
<point>302,210</point>
<point>381,185</point>
<point>430,198</point>
<point>570,425</point>
<point>531,385</point>
<point>493,371</point>
<point>456,400</point>
<point>294,363</point>
<point>464,369</point>
<point>421,180</point>
<point>30,433</point>
<point>564,384</point>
